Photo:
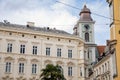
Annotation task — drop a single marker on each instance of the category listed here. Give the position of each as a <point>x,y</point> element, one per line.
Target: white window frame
<point>22,48</point>
<point>34,50</point>
<point>58,52</point>
<point>69,71</point>
<point>9,47</point>
<point>21,67</point>
<point>69,53</point>
<point>34,68</point>
<point>8,67</point>
<point>47,51</point>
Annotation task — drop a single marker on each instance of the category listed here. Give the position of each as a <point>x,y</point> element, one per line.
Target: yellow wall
<point>115,28</point>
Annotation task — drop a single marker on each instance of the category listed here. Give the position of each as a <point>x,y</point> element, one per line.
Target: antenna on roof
<point>85,2</point>
<point>6,22</point>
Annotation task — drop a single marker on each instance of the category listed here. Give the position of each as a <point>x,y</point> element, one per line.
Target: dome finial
<point>85,3</point>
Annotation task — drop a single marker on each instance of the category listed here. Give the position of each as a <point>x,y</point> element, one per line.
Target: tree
<point>52,72</point>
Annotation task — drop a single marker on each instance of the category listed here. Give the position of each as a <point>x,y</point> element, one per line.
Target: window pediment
<point>9,58</point>
<point>22,59</point>
<point>70,64</point>
<point>34,60</point>
<point>59,62</point>
<point>48,62</point>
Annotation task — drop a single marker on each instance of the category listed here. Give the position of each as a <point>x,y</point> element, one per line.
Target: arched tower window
<point>87,37</point>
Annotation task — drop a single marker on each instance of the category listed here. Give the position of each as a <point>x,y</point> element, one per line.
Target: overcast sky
<point>56,15</point>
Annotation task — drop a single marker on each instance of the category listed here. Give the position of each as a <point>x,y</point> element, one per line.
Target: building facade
<point>104,68</point>
<point>114,6</point>
<point>85,29</point>
<point>26,49</point>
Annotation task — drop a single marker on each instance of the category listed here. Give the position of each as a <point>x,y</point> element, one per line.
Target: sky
<point>51,13</point>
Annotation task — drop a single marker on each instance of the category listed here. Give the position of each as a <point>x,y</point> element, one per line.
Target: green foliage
<point>52,72</point>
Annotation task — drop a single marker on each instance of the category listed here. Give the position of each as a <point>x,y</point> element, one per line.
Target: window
<point>10,33</point>
<point>80,71</point>
<point>34,68</point>
<point>97,72</point>
<point>58,52</point>
<point>69,71</point>
<point>103,68</point>
<point>8,67</point>
<point>87,37</point>
<point>48,38</point>
<point>9,47</point>
<point>34,36</point>
<point>88,55</point>
<point>21,67</point>
<point>22,49</point>
<point>23,35</point>
<point>48,51</point>
<point>100,70</point>
<point>69,53</point>
<point>58,39</point>
<point>119,31</point>
<point>34,50</point>
<point>85,72</point>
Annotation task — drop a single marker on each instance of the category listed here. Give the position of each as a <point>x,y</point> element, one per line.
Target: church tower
<point>85,26</point>
<point>85,30</point>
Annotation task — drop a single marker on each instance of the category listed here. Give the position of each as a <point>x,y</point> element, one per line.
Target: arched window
<point>87,37</point>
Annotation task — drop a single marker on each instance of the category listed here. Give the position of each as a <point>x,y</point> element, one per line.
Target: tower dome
<point>85,14</point>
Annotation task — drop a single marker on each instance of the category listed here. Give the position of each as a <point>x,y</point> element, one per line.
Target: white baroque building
<point>26,49</point>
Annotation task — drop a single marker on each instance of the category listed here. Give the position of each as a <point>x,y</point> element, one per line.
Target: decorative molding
<point>34,60</point>
<point>9,58</point>
<point>22,59</point>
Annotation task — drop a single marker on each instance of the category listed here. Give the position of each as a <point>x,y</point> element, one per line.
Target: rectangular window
<point>8,67</point>
<point>69,53</point>
<point>21,67</point>
<point>58,52</point>
<point>9,47</point>
<point>34,68</point>
<point>80,71</point>
<point>34,50</point>
<point>48,51</point>
<point>69,71</point>
<point>22,49</point>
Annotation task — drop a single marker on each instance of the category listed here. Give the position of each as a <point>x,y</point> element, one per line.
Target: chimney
<point>31,24</point>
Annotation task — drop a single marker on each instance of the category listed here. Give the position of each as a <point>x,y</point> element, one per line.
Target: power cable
<point>91,12</point>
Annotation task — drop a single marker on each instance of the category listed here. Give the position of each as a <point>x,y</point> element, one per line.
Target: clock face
<point>86,26</point>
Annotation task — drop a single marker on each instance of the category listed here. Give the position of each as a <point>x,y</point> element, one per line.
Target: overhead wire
<point>91,12</point>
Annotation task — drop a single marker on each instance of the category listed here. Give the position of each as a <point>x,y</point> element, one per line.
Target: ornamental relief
<point>7,78</point>
<point>21,59</point>
<point>34,60</point>
<point>9,58</point>
<point>59,62</point>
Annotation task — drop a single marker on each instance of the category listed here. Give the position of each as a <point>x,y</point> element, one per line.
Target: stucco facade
<point>18,35</point>
<point>26,49</point>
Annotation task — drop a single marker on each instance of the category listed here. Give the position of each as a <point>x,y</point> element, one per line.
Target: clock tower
<point>85,30</point>
<point>85,26</point>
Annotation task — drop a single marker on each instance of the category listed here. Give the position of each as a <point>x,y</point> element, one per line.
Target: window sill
<point>21,73</point>
<point>8,73</point>
<point>34,74</point>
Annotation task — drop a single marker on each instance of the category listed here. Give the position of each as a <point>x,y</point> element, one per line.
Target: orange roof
<point>101,49</point>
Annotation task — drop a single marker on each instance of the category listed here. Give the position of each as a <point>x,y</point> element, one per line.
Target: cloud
<point>102,30</point>
<point>53,14</point>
